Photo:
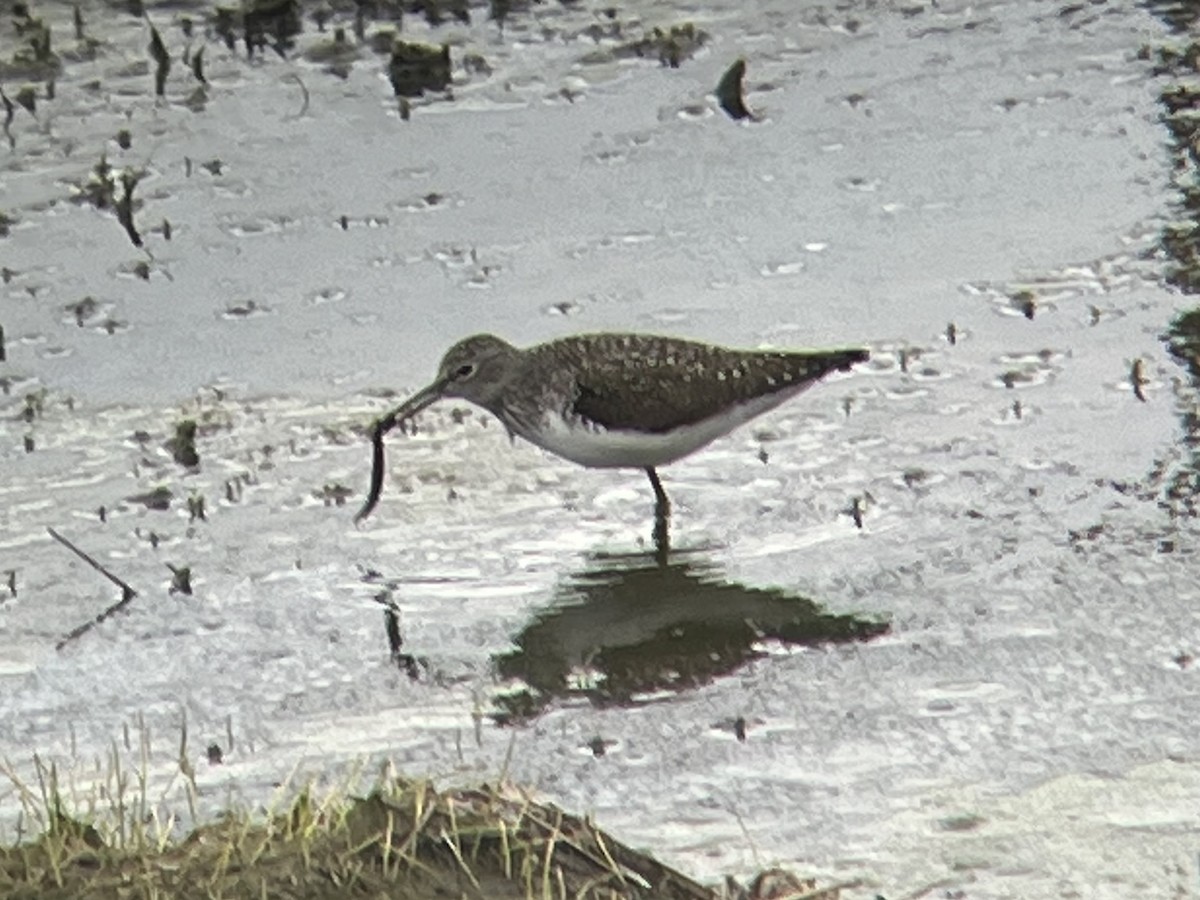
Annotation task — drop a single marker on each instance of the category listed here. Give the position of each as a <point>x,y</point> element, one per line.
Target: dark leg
<point>663,506</point>
<point>662,513</point>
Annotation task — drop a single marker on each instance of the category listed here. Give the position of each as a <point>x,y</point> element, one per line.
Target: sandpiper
<point>616,400</point>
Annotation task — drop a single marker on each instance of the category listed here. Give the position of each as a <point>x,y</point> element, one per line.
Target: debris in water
<point>416,68</point>
<point>127,593</point>
<point>124,206</point>
<point>162,59</point>
<point>730,93</point>
<point>672,47</point>
<point>158,499</point>
<point>198,66</point>
<point>857,510</point>
<point>304,91</point>
<point>183,444</point>
<point>1026,303</point>
<point>196,508</point>
<point>9,112</point>
<point>27,98</point>
<point>1137,378</point>
<point>181,580</point>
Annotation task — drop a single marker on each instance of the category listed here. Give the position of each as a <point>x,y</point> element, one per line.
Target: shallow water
<point>1020,725</point>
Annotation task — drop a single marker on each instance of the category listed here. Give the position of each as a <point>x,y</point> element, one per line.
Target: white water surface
<point>1025,729</point>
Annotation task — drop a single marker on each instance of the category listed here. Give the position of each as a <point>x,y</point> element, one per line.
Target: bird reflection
<point>626,629</point>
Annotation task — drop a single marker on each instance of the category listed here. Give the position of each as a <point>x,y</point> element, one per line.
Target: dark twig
<point>391,623</point>
<point>162,59</point>
<point>1138,379</point>
<point>730,94</point>
<point>304,90</point>
<point>125,207</point>
<point>198,65</point>
<point>9,112</point>
<point>127,592</point>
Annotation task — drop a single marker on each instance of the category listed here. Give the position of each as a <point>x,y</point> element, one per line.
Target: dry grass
<point>111,840</point>
<point>404,839</point>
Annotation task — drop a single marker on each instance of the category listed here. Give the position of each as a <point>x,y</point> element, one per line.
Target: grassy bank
<point>404,839</point>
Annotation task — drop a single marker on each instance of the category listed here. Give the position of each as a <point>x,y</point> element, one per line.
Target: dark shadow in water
<point>628,627</point>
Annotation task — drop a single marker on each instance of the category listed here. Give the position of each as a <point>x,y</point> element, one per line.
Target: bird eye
<point>466,370</point>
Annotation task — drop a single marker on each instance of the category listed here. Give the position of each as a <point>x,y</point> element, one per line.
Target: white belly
<point>598,448</point>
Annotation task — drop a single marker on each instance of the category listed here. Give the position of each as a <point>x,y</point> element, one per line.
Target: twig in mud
<point>499,12</point>
<point>391,624</point>
<point>198,65</point>
<point>125,207</point>
<point>381,427</point>
<point>27,99</point>
<point>181,580</point>
<point>856,511</point>
<point>127,592</point>
<point>162,59</point>
<point>304,107</point>
<point>9,112</point>
<point>730,94</point>
<point>1137,378</point>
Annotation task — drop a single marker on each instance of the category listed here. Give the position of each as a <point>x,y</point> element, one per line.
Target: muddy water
<point>985,687</point>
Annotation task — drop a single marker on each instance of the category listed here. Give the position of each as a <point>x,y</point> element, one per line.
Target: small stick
<point>198,68</point>
<point>1137,378</point>
<point>125,208</point>
<point>381,427</point>
<point>9,112</point>
<point>731,94</point>
<point>391,624</point>
<point>304,108</point>
<point>127,592</point>
<point>158,52</point>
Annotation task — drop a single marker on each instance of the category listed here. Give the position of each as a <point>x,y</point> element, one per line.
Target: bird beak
<point>413,405</point>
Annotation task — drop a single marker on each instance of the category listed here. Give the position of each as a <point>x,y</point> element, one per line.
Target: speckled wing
<point>645,383</point>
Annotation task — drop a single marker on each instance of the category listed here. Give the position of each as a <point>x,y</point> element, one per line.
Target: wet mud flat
<point>930,627</point>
